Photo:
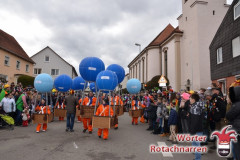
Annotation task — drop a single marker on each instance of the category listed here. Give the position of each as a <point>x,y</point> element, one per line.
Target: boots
<point>163,135</point>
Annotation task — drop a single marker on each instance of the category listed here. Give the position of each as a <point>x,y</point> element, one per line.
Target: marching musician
<point>103,110</point>
<point>42,109</point>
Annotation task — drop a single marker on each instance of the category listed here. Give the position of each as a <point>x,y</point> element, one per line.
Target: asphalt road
<point>128,142</point>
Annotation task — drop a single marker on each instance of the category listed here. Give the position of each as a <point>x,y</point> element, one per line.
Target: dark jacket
<point>71,102</point>
<point>151,111</point>
<point>233,114</point>
<point>172,117</point>
<point>219,107</point>
<point>196,118</point>
<point>185,110</point>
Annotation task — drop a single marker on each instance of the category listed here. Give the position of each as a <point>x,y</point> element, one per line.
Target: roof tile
<point>9,43</point>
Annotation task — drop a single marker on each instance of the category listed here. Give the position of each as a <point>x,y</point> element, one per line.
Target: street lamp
<point>139,45</point>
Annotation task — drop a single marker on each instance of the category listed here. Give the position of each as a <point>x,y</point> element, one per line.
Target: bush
<point>153,84</point>
<point>124,91</point>
<point>26,80</point>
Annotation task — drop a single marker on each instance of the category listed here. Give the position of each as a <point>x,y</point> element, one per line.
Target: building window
<point>37,71</point>
<point>166,64</point>
<point>236,47</point>
<point>186,18</point>
<point>237,10</point>
<point>213,12</point>
<point>47,59</point>
<point>27,68</point>
<point>18,65</point>
<point>6,61</point>
<point>55,72</point>
<point>219,56</point>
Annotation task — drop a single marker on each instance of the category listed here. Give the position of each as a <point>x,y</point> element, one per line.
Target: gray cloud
<point>106,28</point>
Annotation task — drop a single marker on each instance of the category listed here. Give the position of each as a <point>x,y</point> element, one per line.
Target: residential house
<point>225,49</point>
<point>48,61</point>
<point>14,61</point>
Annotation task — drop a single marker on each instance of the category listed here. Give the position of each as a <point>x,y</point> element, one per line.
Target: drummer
<point>90,100</point>
<point>42,109</point>
<point>103,110</point>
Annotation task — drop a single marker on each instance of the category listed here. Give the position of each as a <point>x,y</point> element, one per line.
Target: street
<point>128,142</point>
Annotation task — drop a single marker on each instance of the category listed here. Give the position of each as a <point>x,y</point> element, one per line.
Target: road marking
<point>165,154</point>
<point>74,144</point>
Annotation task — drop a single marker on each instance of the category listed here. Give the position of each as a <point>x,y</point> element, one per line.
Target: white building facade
<point>48,61</point>
<point>182,53</point>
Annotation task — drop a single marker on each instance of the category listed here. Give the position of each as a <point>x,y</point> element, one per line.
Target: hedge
<point>153,84</point>
<point>26,80</point>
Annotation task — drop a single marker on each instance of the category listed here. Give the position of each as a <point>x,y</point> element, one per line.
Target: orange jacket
<point>104,111</point>
<point>116,100</point>
<point>42,109</point>
<point>136,106</point>
<point>62,106</point>
<point>86,101</point>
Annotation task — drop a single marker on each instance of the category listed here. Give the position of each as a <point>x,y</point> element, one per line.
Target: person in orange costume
<point>103,110</point>
<point>79,117</point>
<point>117,101</point>
<point>60,105</point>
<point>42,109</point>
<point>136,104</point>
<point>88,101</point>
<point>143,105</point>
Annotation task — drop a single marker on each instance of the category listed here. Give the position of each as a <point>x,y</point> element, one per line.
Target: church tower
<point>199,22</point>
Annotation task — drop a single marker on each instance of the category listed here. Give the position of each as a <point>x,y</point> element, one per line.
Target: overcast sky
<point>75,29</point>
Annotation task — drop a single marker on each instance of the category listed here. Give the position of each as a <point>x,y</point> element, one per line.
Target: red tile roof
<point>160,39</point>
<point>9,44</point>
<point>164,35</point>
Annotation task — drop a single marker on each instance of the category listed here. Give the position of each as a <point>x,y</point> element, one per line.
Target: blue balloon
<point>120,72</point>
<point>43,83</point>
<point>107,80</point>
<point>78,83</point>
<point>90,67</point>
<point>63,83</point>
<point>92,87</point>
<point>133,86</point>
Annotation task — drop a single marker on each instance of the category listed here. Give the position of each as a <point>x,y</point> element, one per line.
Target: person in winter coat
<point>71,102</point>
<point>160,117</point>
<point>196,120</point>
<point>165,114</point>
<point>184,111</point>
<point>219,108</point>
<point>151,113</point>
<point>233,115</point>
<point>172,123</point>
